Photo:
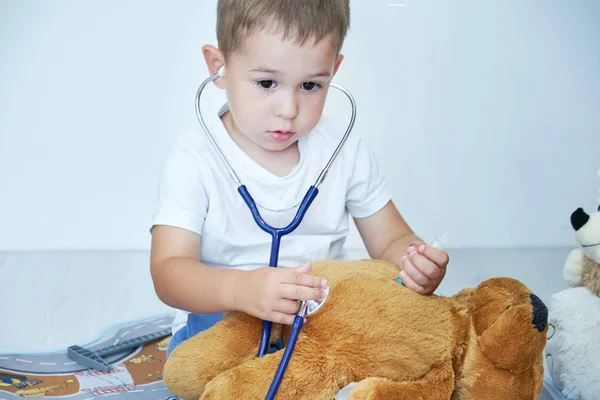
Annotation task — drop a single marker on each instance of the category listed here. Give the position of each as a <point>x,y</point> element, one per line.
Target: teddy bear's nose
<point>579,218</point>
<point>540,313</point>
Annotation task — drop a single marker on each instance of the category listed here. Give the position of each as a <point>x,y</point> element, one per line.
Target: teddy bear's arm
<point>438,383</point>
<point>573,269</point>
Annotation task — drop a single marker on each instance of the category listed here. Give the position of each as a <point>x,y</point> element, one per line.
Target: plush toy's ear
<point>587,232</point>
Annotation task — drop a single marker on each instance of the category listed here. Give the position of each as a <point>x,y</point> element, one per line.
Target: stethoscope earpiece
<point>221,71</point>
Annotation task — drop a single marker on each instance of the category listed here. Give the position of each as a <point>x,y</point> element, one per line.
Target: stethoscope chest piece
<point>312,306</point>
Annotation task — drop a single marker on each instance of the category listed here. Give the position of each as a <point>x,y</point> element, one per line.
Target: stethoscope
<point>307,308</point>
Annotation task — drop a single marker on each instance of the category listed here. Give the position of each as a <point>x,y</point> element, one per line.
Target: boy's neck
<point>279,163</point>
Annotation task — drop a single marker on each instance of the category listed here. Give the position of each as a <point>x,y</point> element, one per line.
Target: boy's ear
<point>214,60</point>
<point>338,61</point>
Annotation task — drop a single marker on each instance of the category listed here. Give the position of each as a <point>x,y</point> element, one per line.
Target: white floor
<point>54,300</point>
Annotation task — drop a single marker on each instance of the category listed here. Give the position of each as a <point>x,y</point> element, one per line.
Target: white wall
<point>485,115</point>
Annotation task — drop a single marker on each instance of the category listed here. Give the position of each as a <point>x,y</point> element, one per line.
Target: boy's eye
<point>309,86</point>
<point>266,84</point>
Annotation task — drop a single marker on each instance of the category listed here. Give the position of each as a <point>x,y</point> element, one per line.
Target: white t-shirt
<point>196,193</point>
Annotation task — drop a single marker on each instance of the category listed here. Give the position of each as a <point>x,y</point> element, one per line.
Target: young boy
<point>208,255</point>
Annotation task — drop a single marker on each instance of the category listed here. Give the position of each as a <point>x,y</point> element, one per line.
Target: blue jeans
<point>197,323</point>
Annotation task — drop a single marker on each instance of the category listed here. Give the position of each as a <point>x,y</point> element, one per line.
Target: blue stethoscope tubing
<point>277,233</point>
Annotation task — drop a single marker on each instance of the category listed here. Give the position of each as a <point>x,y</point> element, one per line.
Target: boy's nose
<point>287,106</point>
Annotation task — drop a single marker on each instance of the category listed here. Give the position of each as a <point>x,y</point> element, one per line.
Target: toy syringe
<point>94,359</point>
<point>438,242</point>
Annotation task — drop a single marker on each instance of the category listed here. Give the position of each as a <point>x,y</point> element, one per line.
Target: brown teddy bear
<point>482,343</point>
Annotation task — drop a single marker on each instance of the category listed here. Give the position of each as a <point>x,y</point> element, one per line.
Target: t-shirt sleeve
<point>181,200</point>
<point>367,190</point>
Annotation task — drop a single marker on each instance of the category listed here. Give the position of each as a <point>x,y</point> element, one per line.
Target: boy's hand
<point>273,294</point>
<point>423,267</point>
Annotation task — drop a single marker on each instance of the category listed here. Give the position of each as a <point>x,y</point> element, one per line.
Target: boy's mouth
<point>281,136</point>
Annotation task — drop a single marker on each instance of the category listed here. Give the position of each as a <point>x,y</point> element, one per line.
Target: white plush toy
<point>582,267</point>
<point>573,345</point>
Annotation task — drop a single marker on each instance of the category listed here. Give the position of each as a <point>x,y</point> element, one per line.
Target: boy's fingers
<point>426,266</point>
<point>409,283</point>
<point>289,307</point>
<point>438,256</point>
<point>414,246</point>
<point>298,292</point>
<point>282,318</point>
<point>416,275</point>
<point>303,279</point>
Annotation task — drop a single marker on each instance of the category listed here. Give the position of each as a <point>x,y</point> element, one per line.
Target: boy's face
<point>276,89</point>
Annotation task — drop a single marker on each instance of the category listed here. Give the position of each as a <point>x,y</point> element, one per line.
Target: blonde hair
<point>300,19</point>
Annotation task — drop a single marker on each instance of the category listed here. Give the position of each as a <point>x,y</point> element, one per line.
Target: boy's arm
<point>388,237</point>
<point>183,282</point>
<point>180,280</point>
